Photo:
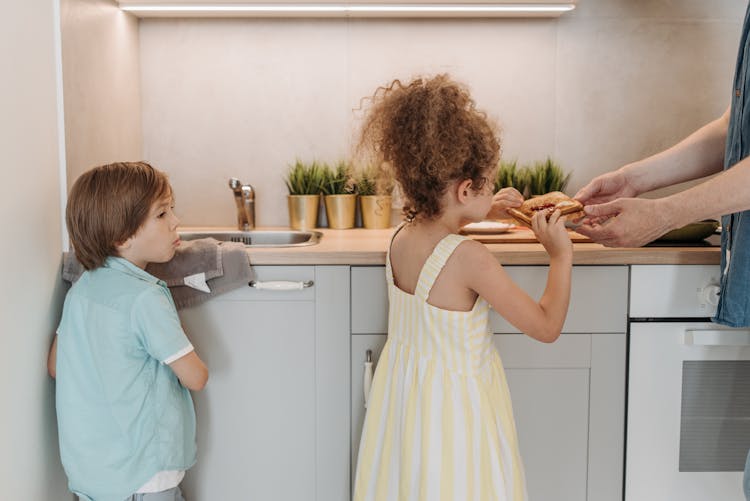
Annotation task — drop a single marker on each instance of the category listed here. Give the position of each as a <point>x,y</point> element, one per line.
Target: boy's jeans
<point>174,494</point>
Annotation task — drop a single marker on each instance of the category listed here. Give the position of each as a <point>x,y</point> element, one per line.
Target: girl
<point>439,421</point>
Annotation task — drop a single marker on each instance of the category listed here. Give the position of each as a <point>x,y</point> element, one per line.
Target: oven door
<point>688,426</point>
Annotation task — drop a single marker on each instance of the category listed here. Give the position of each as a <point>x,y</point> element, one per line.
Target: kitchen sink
<point>259,238</point>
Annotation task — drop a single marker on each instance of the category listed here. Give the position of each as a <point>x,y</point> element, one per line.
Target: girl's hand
<point>504,199</point>
<point>552,234</point>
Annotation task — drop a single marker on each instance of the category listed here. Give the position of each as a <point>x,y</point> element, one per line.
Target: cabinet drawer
<point>664,291</point>
<point>369,300</point>
<point>275,273</point>
<point>598,300</point>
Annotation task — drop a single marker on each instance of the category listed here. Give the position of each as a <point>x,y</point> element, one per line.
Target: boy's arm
<point>191,371</point>
<point>52,358</point>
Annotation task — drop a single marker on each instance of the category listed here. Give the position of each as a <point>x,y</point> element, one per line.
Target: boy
<point>122,361</point>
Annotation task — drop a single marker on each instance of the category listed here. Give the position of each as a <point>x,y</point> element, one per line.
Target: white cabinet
<point>568,396</point>
<point>273,420</point>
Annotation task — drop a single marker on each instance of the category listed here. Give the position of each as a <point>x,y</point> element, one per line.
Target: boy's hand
<point>504,199</point>
<point>552,234</point>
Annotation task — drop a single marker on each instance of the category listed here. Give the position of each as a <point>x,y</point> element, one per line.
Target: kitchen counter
<point>362,247</point>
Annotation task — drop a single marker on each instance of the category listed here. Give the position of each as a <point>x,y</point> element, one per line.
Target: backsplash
<point>604,85</point>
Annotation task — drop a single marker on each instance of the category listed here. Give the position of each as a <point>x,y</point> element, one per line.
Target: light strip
<point>340,9</point>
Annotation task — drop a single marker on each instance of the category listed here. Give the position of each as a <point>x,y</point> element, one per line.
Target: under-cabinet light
<point>344,10</point>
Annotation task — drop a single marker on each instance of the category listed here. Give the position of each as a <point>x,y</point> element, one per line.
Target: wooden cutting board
<point>520,235</point>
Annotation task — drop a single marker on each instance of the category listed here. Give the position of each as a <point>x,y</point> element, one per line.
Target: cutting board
<point>519,235</point>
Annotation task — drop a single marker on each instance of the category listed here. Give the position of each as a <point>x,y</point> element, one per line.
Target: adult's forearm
<point>724,194</point>
<point>698,155</point>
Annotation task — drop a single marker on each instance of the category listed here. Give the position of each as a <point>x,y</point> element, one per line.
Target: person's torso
<point>122,414</point>
<point>734,299</point>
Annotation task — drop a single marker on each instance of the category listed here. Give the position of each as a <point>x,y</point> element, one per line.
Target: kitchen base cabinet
<point>568,396</point>
<point>273,418</point>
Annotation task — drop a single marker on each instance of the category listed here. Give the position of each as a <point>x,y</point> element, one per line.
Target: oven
<point>688,408</point>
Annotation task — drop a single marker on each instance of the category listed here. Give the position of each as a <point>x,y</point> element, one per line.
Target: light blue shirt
<point>122,413</point>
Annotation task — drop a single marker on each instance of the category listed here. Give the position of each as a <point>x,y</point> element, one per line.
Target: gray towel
<point>222,266</point>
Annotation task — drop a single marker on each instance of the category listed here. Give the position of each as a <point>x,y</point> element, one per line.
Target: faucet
<point>244,196</point>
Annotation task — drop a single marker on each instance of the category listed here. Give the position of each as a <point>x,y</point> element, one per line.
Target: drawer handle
<point>281,285</point>
<point>367,379</point>
<point>716,337</point>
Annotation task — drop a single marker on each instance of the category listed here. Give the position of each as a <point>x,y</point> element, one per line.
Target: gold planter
<point>303,211</point>
<point>340,211</point>
<point>376,211</point>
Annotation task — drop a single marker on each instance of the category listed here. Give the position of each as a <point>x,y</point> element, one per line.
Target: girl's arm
<point>52,358</point>
<point>541,320</point>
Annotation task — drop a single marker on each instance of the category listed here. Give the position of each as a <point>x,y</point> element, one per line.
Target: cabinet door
<point>360,345</point>
<point>551,411</point>
<point>262,421</point>
<point>549,386</point>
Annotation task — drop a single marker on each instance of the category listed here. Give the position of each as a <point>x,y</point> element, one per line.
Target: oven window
<point>715,417</point>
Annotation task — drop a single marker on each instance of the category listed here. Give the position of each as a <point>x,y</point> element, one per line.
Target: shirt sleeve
<point>158,327</point>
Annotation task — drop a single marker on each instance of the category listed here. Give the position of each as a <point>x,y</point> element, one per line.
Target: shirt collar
<point>125,266</point>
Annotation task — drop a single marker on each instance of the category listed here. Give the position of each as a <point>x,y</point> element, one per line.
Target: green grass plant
<point>372,180</point>
<point>338,180</point>
<point>547,176</point>
<point>305,179</point>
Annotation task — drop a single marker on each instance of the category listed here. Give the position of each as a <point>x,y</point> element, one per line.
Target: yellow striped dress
<point>439,423</point>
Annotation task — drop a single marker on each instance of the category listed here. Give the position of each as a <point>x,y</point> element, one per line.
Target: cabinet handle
<point>716,337</point>
<point>367,380</point>
<point>281,285</point>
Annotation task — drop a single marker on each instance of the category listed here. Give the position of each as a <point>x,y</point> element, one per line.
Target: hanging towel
<point>199,270</point>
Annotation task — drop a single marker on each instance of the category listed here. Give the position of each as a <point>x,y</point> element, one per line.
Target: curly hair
<point>430,134</point>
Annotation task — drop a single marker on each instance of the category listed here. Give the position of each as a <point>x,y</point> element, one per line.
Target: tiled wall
<point>607,84</point>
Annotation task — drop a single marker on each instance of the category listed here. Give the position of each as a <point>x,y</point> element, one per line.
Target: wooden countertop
<point>368,247</point>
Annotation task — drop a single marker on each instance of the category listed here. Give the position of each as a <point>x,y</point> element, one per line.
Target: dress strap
<point>388,268</point>
<point>435,263</point>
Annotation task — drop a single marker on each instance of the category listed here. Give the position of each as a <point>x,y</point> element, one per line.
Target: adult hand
<point>504,199</point>
<point>625,222</point>
<point>605,188</point>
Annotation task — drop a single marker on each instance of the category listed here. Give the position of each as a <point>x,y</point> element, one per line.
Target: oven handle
<point>716,337</point>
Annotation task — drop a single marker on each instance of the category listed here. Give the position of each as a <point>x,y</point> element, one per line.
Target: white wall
<point>606,84</point>
<point>101,77</point>
<point>30,295</point>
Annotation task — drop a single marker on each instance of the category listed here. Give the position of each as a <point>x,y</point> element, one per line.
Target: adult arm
<point>698,155</point>
<point>639,221</point>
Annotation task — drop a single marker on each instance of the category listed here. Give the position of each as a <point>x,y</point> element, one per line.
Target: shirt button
<point>737,92</point>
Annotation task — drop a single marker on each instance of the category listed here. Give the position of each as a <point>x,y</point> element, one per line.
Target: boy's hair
<point>430,133</point>
<point>108,204</point>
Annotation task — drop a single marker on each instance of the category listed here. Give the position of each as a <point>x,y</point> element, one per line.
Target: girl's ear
<point>463,190</point>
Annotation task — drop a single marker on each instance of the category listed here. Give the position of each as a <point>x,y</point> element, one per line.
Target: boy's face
<point>156,239</point>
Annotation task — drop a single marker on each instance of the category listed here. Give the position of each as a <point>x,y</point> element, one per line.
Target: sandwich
<point>570,209</point>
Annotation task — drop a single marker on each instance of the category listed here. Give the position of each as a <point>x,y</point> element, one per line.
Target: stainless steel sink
<point>259,238</point>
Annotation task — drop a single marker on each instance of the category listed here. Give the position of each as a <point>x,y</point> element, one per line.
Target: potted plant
<point>547,176</point>
<point>340,199</point>
<point>305,182</point>
<point>374,187</point>
<point>542,178</point>
<point>509,175</point>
